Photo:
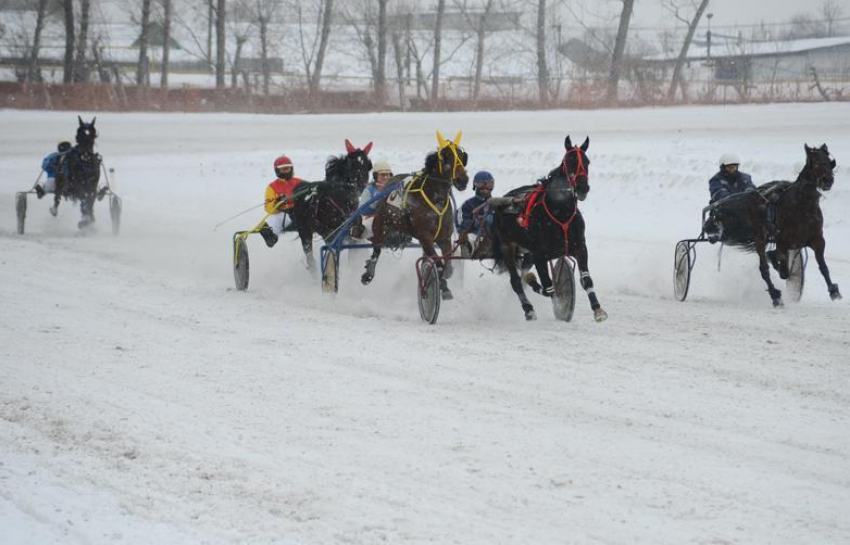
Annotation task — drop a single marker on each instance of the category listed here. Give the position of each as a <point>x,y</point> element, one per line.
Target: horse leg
<point>307,246</point>
<point>510,253</point>
<point>370,265</point>
<point>579,252</point>
<point>764,267</point>
<point>544,287</point>
<point>819,246</point>
<point>86,210</point>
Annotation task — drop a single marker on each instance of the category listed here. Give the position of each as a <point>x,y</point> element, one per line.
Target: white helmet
<point>381,166</point>
<point>729,159</point>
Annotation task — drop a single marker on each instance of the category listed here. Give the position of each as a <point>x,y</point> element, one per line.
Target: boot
<point>268,235</point>
<point>39,191</point>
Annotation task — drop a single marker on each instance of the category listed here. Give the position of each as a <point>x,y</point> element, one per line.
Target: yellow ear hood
<point>441,141</point>
<point>458,137</point>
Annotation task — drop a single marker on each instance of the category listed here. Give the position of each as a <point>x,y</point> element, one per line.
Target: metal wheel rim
<point>681,271</point>
<point>330,276</point>
<point>564,298</point>
<point>21,211</point>
<point>115,213</point>
<point>241,269</point>
<point>429,295</point>
<point>796,275</point>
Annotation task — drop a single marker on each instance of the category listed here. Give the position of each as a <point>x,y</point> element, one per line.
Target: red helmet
<point>281,163</point>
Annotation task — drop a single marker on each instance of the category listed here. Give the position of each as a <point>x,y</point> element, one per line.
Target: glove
<point>39,191</point>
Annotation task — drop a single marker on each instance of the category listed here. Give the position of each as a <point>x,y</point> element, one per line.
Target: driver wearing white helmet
<point>381,174</point>
<point>729,180</point>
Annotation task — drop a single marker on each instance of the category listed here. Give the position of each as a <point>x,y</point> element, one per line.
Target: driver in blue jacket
<point>729,180</point>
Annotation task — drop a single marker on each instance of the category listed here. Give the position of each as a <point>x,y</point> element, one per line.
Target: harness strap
<point>408,188</point>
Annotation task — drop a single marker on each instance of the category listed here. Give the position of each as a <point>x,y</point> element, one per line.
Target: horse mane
<point>431,161</point>
<point>335,170</point>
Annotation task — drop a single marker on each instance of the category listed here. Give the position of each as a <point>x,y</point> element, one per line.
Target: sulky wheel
<point>240,263</point>
<point>564,298</point>
<point>115,213</point>
<point>21,210</point>
<point>796,274</point>
<point>429,291</point>
<point>330,273</point>
<point>681,271</point>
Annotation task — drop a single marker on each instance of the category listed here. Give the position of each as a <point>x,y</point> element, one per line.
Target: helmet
<point>64,146</point>
<point>281,163</point>
<point>381,166</point>
<point>729,159</point>
<point>483,179</point>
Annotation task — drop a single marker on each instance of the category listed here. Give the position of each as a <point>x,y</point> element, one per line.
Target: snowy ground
<point>143,400</point>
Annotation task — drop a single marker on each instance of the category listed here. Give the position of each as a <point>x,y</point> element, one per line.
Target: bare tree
<point>41,12</point>
<point>368,19</point>
<point>313,50</point>
<point>167,10</point>
<point>438,41</point>
<point>478,22</point>
<point>675,6</point>
<point>542,66</point>
<point>220,48</point>
<point>399,66</point>
<point>68,67</point>
<point>143,64</point>
<point>832,12</point>
<point>264,11</point>
<point>619,50</point>
<point>80,71</point>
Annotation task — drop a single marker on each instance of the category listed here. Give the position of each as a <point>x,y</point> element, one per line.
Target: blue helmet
<point>483,180</point>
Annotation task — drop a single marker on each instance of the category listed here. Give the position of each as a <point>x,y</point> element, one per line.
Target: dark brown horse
<point>323,206</point>
<point>422,209</point>
<point>78,174</point>
<point>535,224</point>
<point>785,213</point>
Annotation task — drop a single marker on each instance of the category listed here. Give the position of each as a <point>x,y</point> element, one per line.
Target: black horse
<point>323,206</point>
<point>79,174</point>
<point>423,209</point>
<point>535,224</point>
<point>785,213</point>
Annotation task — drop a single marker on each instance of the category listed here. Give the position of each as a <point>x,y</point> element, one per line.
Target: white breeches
<point>278,222</point>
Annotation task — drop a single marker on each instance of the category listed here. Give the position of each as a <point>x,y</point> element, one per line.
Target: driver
<point>279,201</point>
<point>381,174</point>
<point>729,180</point>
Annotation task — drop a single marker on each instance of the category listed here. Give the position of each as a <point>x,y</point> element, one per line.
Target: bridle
<point>581,168</point>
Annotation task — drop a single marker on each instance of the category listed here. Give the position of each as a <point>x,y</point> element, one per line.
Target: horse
<point>323,206</point>
<point>423,209</point>
<point>784,213</point>
<point>538,223</point>
<point>79,174</point>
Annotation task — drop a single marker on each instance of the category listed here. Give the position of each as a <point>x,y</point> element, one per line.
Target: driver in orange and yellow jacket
<point>279,200</point>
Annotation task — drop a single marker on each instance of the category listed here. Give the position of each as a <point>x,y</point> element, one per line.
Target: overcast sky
<point>649,13</point>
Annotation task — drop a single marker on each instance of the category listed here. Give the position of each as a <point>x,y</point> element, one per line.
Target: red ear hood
<point>349,147</point>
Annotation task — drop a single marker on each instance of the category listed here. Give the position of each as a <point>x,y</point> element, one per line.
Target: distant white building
<point>766,61</point>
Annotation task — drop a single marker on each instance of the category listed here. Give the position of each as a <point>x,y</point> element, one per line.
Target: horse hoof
<point>530,315</point>
<point>365,279</point>
<point>835,296</point>
<point>777,303</point>
<point>447,295</point>
<point>600,315</point>
<point>54,211</point>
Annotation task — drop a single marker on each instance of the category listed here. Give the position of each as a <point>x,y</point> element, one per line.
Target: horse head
<point>352,168</point>
<point>86,133</point>
<point>575,168</point>
<point>449,162</point>
<point>820,165</point>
